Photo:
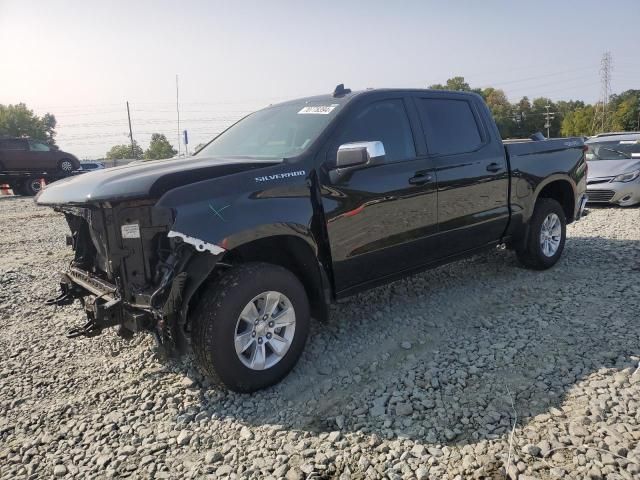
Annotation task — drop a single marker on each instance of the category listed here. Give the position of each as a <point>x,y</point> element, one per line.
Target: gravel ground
<point>424,378</point>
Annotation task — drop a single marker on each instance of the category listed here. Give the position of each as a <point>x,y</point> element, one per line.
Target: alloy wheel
<point>550,235</point>
<point>264,330</point>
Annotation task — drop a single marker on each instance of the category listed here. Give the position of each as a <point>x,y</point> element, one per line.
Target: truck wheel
<point>31,187</point>
<point>250,326</point>
<point>547,234</point>
<point>65,165</point>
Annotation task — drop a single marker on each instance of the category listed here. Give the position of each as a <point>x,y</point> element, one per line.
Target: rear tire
<point>546,237</point>
<point>234,313</point>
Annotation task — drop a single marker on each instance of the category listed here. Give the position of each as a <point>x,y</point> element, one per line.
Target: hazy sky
<point>81,60</point>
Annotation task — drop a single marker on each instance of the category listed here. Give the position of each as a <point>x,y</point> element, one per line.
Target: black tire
<point>214,323</point>
<point>532,255</point>
<point>31,187</point>
<point>17,189</point>
<point>66,166</point>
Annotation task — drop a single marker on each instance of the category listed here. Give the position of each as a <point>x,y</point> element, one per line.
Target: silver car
<point>614,169</point>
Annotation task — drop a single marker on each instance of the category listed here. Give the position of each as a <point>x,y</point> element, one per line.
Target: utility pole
<point>178,111</point>
<point>548,116</point>
<point>133,151</point>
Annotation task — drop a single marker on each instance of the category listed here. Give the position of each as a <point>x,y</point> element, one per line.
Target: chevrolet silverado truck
<point>231,252</point>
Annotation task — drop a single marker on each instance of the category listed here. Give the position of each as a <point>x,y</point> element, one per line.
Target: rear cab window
<point>450,125</point>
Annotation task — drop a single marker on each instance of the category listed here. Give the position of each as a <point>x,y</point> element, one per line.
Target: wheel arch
<point>296,253</point>
<point>559,188</point>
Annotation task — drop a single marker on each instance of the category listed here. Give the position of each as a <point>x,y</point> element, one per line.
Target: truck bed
<point>521,147</point>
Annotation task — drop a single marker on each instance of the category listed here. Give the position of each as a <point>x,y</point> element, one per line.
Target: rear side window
<point>385,121</point>
<point>13,145</point>
<point>449,125</point>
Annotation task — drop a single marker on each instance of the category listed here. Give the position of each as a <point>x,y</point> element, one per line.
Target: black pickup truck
<point>231,252</point>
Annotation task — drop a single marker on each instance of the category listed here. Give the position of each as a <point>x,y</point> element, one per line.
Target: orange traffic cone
<point>43,184</point>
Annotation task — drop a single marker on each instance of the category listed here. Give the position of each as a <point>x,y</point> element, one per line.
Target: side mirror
<point>359,153</point>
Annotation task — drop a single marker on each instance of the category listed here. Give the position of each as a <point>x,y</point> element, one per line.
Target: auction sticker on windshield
<point>319,109</point>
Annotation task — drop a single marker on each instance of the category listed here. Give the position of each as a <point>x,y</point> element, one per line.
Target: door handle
<point>420,178</point>
<point>494,167</point>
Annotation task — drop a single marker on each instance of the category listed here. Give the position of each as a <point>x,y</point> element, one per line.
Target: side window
<point>385,121</point>
<point>13,145</point>
<point>38,146</point>
<point>449,126</point>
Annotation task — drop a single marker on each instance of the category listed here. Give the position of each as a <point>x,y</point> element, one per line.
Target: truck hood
<point>142,180</point>
<point>611,168</point>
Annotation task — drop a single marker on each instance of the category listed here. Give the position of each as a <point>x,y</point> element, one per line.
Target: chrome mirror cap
<point>359,153</point>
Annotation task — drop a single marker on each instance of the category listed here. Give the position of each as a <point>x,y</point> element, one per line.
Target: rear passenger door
<point>470,164</point>
<point>14,154</point>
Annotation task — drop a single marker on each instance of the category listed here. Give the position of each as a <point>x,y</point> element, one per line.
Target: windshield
<point>617,150</point>
<point>282,131</point>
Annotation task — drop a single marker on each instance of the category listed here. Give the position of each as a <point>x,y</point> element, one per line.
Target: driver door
<point>381,217</point>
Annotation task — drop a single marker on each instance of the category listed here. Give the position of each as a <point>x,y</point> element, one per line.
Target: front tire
<point>250,326</point>
<point>65,166</point>
<point>547,235</point>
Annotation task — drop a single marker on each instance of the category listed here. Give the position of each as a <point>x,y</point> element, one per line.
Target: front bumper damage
<point>131,271</point>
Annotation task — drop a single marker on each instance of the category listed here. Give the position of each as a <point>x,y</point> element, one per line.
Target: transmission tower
<point>601,117</point>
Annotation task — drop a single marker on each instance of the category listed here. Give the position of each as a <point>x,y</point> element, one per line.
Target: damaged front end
<point>130,270</point>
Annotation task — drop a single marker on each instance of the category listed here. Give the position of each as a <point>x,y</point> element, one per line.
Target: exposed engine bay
<point>134,275</point>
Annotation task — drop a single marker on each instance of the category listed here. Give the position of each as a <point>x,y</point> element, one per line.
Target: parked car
<point>90,165</point>
<point>234,250</point>
<point>27,155</point>
<point>614,169</point>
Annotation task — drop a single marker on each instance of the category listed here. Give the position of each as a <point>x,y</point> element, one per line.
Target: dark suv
<point>25,154</point>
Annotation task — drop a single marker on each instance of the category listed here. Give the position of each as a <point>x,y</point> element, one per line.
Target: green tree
<point>454,83</point>
<point>578,122</point>
<point>627,115</point>
<point>625,109</point>
<point>564,107</point>
<point>18,121</point>
<point>501,110</point>
<point>159,148</point>
<point>118,152</point>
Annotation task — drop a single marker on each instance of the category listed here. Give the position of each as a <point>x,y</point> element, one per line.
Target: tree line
<point>159,148</point>
<point>514,120</point>
<point>570,118</point>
